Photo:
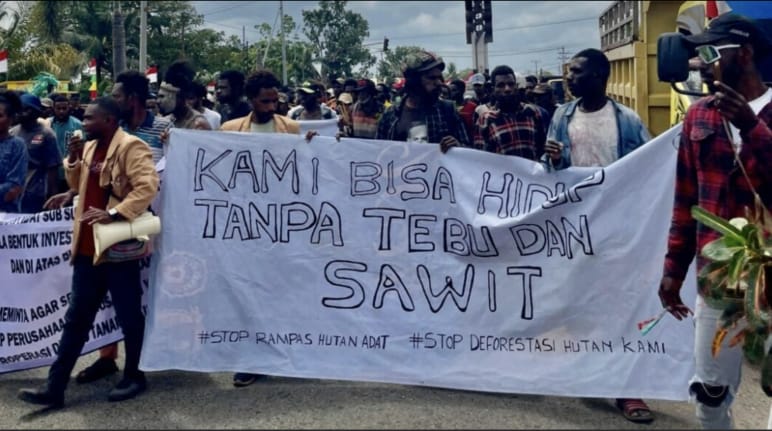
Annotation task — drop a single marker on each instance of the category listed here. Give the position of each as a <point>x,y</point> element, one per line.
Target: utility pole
<point>143,36</point>
<point>119,40</point>
<point>563,57</point>
<point>479,30</point>
<point>536,68</point>
<point>283,45</point>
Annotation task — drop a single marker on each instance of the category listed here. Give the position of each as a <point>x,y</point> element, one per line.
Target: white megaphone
<point>106,235</point>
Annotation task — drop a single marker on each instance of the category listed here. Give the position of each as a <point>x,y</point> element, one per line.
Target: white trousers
<point>723,370</point>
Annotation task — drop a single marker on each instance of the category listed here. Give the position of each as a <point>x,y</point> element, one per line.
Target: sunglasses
<point>710,54</point>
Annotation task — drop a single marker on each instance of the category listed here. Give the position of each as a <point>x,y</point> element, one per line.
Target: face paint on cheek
<point>166,101</point>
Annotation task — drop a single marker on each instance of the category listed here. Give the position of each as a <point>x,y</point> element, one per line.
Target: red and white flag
<point>92,66</point>
<point>714,8</point>
<point>4,61</point>
<point>152,74</point>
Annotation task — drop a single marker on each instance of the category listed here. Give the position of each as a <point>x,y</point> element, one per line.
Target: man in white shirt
<point>594,130</point>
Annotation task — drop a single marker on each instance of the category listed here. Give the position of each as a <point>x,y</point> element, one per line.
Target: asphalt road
<point>178,399</point>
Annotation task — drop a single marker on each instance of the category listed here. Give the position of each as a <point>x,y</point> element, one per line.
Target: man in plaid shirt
<point>512,128</point>
<point>737,119</point>
<point>421,116</point>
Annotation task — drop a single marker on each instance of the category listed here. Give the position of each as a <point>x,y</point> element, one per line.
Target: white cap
<point>477,78</point>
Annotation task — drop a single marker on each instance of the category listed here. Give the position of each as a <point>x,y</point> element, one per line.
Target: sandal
<point>635,410</point>
<point>245,379</point>
<point>102,367</point>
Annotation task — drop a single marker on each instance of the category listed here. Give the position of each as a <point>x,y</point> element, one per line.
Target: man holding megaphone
<point>116,180</point>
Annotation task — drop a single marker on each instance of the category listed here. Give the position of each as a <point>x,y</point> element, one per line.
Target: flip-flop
<point>635,410</point>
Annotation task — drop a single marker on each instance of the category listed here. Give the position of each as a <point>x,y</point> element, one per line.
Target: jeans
<point>89,285</point>
<point>723,370</point>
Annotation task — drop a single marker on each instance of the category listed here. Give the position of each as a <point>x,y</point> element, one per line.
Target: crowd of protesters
<point>495,111</point>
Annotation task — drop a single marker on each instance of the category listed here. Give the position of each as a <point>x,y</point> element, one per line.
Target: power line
<point>505,53</point>
<point>521,27</point>
<point>242,4</point>
<point>230,26</point>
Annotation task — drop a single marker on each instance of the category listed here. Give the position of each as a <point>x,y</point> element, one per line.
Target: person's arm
<point>553,145</point>
<point>682,239</point>
<point>201,123</point>
<point>52,162</point>
<point>460,132</point>
<point>143,178</point>
<point>14,179</point>
<point>480,134</point>
<point>72,163</point>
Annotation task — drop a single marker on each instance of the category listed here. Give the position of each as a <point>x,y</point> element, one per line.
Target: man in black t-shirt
<point>421,116</point>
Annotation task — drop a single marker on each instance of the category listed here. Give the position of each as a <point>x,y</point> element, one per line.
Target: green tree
<point>84,25</point>
<point>451,72</point>
<point>337,36</point>
<point>391,65</point>
<point>49,20</point>
<point>12,32</point>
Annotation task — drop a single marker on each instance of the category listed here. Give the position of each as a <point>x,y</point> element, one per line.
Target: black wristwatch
<point>114,214</point>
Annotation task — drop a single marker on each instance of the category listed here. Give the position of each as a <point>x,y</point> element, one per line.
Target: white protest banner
<point>323,127</point>
<point>391,262</point>
<point>35,281</point>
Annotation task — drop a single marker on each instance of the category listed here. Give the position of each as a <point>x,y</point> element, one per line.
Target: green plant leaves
<point>717,223</point>
<point>719,251</point>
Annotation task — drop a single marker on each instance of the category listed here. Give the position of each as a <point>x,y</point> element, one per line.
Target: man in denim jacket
<point>578,134</point>
<point>594,130</point>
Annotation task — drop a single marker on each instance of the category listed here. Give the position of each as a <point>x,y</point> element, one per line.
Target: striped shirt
<point>150,131</point>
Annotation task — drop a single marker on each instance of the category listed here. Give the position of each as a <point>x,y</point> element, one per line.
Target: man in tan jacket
<point>116,180</point>
<point>262,90</point>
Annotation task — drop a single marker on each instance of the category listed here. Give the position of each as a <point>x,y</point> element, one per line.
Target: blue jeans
<point>89,286</point>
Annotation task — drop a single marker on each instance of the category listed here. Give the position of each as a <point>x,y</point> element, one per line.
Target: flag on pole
<point>92,70</point>
<point>93,88</point>
<point>647,325</point>
<point>152,74</point>
<point>4,61</point>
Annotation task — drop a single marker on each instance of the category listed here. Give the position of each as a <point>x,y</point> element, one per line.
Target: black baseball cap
<point>736,28</point>
<point>365,84</point>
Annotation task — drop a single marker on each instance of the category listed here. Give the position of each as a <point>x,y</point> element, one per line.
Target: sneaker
<point>42,396</point>
<point>128,388</point>
<point>245,379</point>
<point>101,368</point>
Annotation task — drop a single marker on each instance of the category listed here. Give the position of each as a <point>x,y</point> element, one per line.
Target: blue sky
<point>526,34</point>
